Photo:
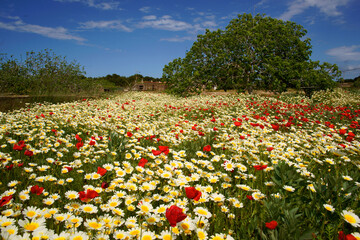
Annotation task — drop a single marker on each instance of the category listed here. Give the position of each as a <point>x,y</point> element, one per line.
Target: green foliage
<point>180,78</point>
<point>252,52</point>
<point>357,82</point>
<point>45,72</point>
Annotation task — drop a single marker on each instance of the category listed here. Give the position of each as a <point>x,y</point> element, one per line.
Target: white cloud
<point>104,5</point>
<point>351,68</point>
<point>178,39</point>
<point>165,23</point>
<point>145,9</point>
<point>114,24</point>
<point>150,17</point>
<point>50,32</point>
<point>345,53</point>
<point>328,7</point>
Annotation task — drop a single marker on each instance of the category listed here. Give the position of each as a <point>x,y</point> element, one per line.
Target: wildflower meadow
<point>153,166</point>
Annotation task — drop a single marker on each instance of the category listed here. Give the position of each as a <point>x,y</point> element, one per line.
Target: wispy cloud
<point>60,33</point>
<point>164,23</point>
<point>104,5</point>
<point>145,9</point>
<point>328,7</point>
<point>345,53</point>
<point>178,39</point>
<point>149,17</point>
<point>351,68</point>
<point>113,24</point>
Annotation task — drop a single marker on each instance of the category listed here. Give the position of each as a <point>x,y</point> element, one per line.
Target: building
<point>149,86</point>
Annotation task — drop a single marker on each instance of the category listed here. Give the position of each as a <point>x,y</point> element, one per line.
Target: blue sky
<point>127,36</point>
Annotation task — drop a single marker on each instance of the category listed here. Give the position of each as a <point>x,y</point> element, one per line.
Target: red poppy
<point>275,127</point>
<point>92,143</point>
<point>86,197</point>
<point>270,149</point>
<point>271,225</point>
<point>249,197</point>
<point>129,134</point>
<point>156,152</point>
<point>192,193</point>
<point>78,138</point>
<point>164,149</point>
<point>174,215</point>
<point>349,138</point>
<point>260,167</point>
<point>28,153</point>
<point>17,147</point>
<point>142,162</point>
<point>207,148</point>
<point>342,236</point>
<point>10,167</point>
<point>36,190</point>
<point>4,200</point>
<point>79,145</point>
<point>101,171</point>
<point>104,185</point>
<point>351,134</point>
<point>342,131</point>
<point>237,124</point>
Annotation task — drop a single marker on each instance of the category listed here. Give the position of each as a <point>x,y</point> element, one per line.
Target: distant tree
<point>42,73</point>
<point>317,77</point>
<point>13,76</point>
<point>356,82</point>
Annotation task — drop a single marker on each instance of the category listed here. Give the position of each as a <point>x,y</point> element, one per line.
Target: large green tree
<point>252,52</point>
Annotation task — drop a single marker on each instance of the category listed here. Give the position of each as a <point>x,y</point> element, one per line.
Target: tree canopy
<point>252,52</point>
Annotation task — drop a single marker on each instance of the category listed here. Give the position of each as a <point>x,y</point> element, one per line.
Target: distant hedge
<point>43,73</point>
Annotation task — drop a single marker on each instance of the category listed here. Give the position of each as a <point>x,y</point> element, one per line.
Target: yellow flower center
<point>5,224</point>
<point>95,225</point>
<point>350,218</point>
<point>185,226</point>
<point>167,237</point>
<point>31,226</point>
<point>161,210</point>
<point>31,214</point>
<point>119,236</point>
<point>87,209</point>
<point>146,237</point>
<point>217,238</point>
<point>78,238</point>
<point>202,212</point>
<point>144,208</point>
<point>22,197</point>
<point>201,235</point>
<point>60,218</point>
<point>72,196</point>
<point>134,232</point>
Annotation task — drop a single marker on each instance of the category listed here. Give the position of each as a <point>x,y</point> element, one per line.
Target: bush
<point>45,72</point>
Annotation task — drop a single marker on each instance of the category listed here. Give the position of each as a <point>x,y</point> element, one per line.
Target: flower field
<point>151,166</point>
